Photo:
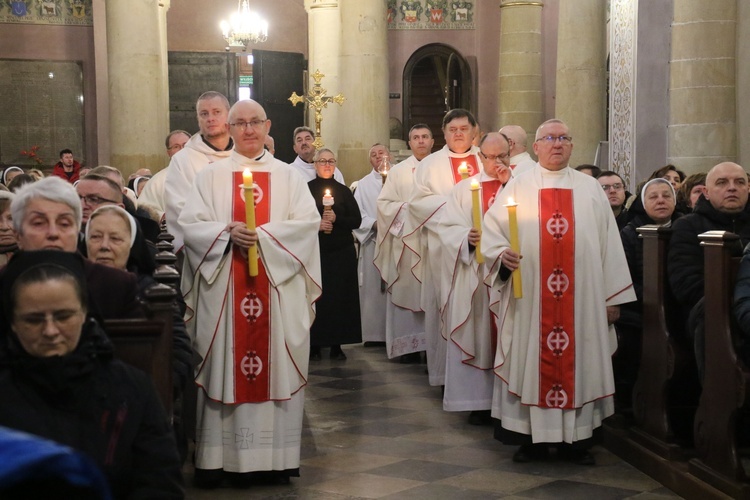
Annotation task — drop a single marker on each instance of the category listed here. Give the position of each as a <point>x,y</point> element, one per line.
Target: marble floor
<point>374,428</point>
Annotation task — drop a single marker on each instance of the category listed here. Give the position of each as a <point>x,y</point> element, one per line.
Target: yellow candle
<point>252,252</point>
<point>327,204</point>
<point>463,170</point>
<point>514,245</point>
<point>476,216</point>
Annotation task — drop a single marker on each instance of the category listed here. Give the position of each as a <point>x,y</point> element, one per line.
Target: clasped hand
<point>511,259</point>
<point>241,236</point>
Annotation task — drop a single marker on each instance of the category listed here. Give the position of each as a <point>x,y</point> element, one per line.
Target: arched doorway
<point>436,79</point>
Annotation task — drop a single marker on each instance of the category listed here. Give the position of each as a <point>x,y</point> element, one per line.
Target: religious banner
<point>61,12</point>
<point>430,15</point>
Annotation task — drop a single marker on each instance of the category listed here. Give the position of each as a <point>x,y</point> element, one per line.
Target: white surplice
<point>307,170</point>
<point>521,163</point>
<point>465,310</point>
<point>153,192</point>
<point>433,182</point>
<point>245,437</point>
<point>404,327</point>
<point>181,172</point>
<point>372,296</point>
<point>518,400</point>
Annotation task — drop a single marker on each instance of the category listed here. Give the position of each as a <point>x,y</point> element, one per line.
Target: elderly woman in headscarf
<point>658,201</point>
<point>10,173</point>
<point>8,242</point>
<point>59,380</point>
<point>113,239</point>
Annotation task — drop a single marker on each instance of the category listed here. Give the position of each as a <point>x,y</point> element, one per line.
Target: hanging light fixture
<point>244,27</point>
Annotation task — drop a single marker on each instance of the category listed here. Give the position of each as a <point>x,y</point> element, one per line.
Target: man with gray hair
<point>153,193</point>
<point>210,144</point>
<point>520,159</point>
<point>303,146</point>
<point>47,216</point>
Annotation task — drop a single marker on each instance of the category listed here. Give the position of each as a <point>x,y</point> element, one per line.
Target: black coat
<point>97,405</point>
<point>685,263</point>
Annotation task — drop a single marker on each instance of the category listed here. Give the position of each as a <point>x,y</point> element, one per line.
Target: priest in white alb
<point>435,177</point>
<point>372,296</point>
<point>252,333</point>
<point>554,354</point>
<point>404,318</point>
<point>465,310</point>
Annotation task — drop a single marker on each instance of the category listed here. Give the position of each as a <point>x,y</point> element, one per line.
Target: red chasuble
<point>471,165</point>
<point>251,304</point>
<point>557,299</point>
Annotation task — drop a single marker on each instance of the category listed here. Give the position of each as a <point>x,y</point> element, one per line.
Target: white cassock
<point>554,353</point>
<point>307,170</point>
<point>372,296</point>
<point>251,381</point>
<point>404,319</point>
<point>465,310</point>
<point>521,163</point>
<point>433,181</point>
<point>153,193</point>
<point>181,173</point>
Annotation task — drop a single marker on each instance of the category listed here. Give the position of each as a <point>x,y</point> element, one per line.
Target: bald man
<point>520,159</point>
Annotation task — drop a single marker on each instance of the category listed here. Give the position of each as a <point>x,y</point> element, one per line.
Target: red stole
<point>557,299</point>
<point>489,191</point>
<point>471,165</point>
<point>251,308</point>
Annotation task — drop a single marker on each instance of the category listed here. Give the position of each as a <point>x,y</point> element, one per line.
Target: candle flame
<point>328,192</point>
<point>511,202</point>
<point>474,184</point>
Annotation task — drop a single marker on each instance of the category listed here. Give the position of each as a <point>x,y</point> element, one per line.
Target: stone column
<point>138,96</point>
<point>364,83</point>
<point>702,97</point>
<point>324,38</point>
<point>520,72</point>
<point>581,75</point>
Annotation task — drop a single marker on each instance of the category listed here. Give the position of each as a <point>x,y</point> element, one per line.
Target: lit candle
<point>514,245</point>
<point>327,204</point>
<point>476,216</point>
<point>463,170</point>
<point>252,252</point>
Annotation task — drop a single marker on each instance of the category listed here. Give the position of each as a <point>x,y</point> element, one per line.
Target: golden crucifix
<point>317,100</point>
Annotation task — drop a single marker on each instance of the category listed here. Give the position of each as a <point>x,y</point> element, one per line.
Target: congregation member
<point>404,318</point>
<point>137,184</point>
<point>520,159</point>
<point>304,137</point>
<point>372,296</point>
<point>671,173</point>
<point>469,325</point>
<point>434,178</point>
<point>213,142</point>
<point>68,169</point>
<point>11,173</point>
<point>252,333</point>
<point>337,312</point>
<point>553,362</point>
<point>20,180</point>
<point>47,216</point>
<point>591,170</point>
<point>614,188</point>
<point>8,243</point>
<point>723,207</point>
<point>59,380</point>
<point>153,191</point>
<point>690,191</point>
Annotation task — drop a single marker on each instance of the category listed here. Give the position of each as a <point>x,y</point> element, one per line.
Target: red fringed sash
<point>251,308</point>
<point>557,299</point>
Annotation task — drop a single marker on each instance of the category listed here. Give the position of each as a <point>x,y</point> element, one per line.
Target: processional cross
<point>317,100</point>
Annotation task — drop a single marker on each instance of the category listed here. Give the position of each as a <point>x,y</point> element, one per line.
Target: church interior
<point>640,83</point>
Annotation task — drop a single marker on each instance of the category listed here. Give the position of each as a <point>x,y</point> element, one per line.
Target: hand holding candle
<point>463,170</point>
<point>252,252</point>
<point>515,246</point>
<point>327,205</point>
<point>476,218</point>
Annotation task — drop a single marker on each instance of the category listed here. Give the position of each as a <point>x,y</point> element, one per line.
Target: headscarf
<point>652,181</point>
<point>140,260</point>
<point>137,181</point>
<point>10,169</point>
<point>122,212</point>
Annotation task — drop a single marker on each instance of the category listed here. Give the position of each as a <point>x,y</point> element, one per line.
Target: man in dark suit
<point>47,215</point>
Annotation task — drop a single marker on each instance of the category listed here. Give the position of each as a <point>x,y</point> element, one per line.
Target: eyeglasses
<point>617,186</point>
<point>495,158</point>
<point>551,139</point>
<point>330,162</point>
<point>254,124</point>
<point>92,199</point>
<point>59,318</point>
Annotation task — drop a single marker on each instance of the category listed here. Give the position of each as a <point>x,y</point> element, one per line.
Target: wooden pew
<point>147,343</point>
<point>725,384</point>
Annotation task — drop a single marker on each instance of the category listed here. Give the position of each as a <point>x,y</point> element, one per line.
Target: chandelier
<point>244,27</point>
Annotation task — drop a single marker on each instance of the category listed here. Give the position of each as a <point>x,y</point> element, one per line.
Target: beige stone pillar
<point>324,38</point>
<point>580,96</point>
<point>364,82</point>
<point>138,89</point>
<point>702,97</point>
<point>520,72</point>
